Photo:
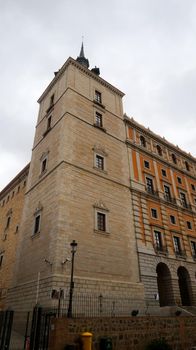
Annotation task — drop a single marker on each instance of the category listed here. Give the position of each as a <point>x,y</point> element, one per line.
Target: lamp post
<point>73,245</point>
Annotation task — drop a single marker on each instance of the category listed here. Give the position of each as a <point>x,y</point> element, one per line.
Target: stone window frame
<point>37,213</point>
<point>159,150</point>
<point>161,240</point>
<point>44,163</point>
<point>146,164</point>
<point>192,242</point>
<point>172,219</point>
<point>156,217</point>
<point>98,96</point>
<point>100,152</point>
<point>177,238</point>
<point>8,219</point>
<point>164,172</point>
<point>100,207</point>
<point>189,225</point>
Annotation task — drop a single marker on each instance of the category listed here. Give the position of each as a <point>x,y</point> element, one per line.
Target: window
<point>187,166</point>
<point>154,213</point>
<point>98,120</point>
<point>159,150</point>
<point>49,120</point>
<point>43,167</point>
<point>98,96</point>
<point>18,190</point>
<point>149,185</point>
<point>1,260</point>
<point>193,248</point>
<point>8,222</point>
<point>99,162</point>
<point>147,164</point>
<point>24,183</point>
<point>37,224</point>
<point>101,221</point>
<point>174,159</point>
<point>183,199</point>
<point>193,187</point>
<point>172,219</point>
<point>142,141</point>
<point>177,246</point>
<point>163,171</point>
<point>158,240</point>
<point>52,100</point>
<point>179,179</point>
<point>12,194</point>
<point>189,225</point>
<point>167,193</point>
<point>17,228</point>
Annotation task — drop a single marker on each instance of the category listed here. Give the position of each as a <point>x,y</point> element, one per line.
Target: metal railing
<point>151,191</point>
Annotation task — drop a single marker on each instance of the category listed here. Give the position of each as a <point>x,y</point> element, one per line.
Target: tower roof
<point>82,59</point>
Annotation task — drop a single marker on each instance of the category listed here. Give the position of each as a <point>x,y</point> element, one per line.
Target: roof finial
<point>81,58</point>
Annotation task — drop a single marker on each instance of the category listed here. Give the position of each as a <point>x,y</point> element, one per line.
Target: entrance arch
<point>184,282</point>
<point>164,283</point>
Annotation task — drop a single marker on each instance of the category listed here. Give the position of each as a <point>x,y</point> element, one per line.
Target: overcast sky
<point>146,48</point>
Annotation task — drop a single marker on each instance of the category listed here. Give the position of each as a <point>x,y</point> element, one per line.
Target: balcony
<point>169,199</point>
<point>186,205</point>
<point>162,249</point>
<point>180,253</point>
<point>151,191</point>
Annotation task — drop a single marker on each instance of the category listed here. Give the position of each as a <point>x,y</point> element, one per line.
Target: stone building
<point>125,195</point>
<point>163,192</point>
<point>12,201</point>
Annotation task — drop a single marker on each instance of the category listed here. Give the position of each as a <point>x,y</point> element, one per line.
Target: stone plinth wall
<point>126,333</point>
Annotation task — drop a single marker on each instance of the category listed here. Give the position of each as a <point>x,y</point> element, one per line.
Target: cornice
<point>17,179</point>
<point>161,140</point>
<point>159,159</point>
<point>71,61</point>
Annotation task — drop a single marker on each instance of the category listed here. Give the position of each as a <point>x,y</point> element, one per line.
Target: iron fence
<point>88,305</point>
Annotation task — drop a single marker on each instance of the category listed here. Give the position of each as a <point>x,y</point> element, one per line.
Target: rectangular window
<point>99,162</point>
<point>167,193</point>
<point>147,164</point>
<point>193,187</point>
<point>177,246</point>
<point>101,221</point>
<point>52,100</point>
<point>49,120</point>
<point>98,96</point>
<point>163,171</point>
<point>154,213</point>
<point>158,240</point>
<point>1,260</point>
<point>172,219</point>
<point>179,179</point>
<point>37,224</point>
<point>8,222</point>
<point>193,248</point>
<point>44,163</point>
<point>189,225</point>
<point>183,199</point>
<point>98,120</point>
<point>149,185</point>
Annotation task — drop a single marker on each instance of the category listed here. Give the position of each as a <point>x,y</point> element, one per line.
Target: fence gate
<point>40,328</point>
<point>6,320</point>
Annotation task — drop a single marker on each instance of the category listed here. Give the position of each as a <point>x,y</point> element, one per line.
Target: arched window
<point>142,141</point>
<point>159,150</point>
<point>174,159</point>
<point>187,166</point>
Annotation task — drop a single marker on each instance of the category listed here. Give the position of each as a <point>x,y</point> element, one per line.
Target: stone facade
<point>163,186</point>
<point>126,195</point>
<point>11,206</point>
<point>128,333</point>
<point>78,174</point>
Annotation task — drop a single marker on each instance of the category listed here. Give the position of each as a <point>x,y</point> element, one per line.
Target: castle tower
<point>78,189</point>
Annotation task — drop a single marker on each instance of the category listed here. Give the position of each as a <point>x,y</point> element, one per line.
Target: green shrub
<point>158,344</point>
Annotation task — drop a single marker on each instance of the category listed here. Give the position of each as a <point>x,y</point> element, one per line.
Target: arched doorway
<point>164,283</point>
<point>184,286</point>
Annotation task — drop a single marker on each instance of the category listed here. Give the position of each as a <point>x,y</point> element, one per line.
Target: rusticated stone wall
<point>127,333</point>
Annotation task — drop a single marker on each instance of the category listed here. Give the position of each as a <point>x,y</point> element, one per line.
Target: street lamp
<point>73,245</point>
